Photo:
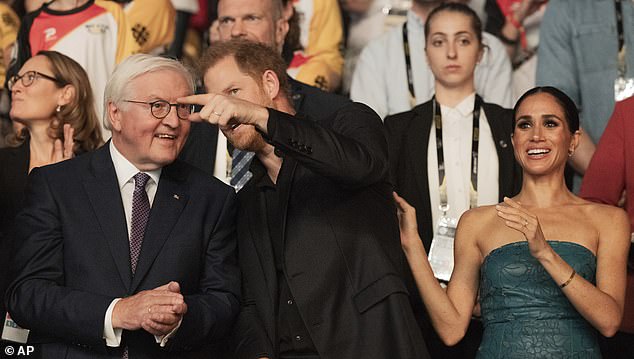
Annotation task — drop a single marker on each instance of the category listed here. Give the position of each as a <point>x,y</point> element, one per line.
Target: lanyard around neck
<point>621,38</point>
<point>442,180</point>
<point>408,67</point>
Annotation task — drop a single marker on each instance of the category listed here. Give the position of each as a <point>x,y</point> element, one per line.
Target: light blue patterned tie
<point>240,174</point>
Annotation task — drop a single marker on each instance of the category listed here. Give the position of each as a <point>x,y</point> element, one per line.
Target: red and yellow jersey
<point>96,35</point>
<point>320,63</point>
<point>152,23</point>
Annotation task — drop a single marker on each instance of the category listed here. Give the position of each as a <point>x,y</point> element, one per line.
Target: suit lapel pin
<point>176,196</point>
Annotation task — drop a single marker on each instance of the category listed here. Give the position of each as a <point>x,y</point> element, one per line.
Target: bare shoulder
<point>606,218</point>
<point>478,219</point>
<point>604,212</point>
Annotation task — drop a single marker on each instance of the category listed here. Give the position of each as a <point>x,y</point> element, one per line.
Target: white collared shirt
<point>457,129</point>
<point>125,172</point>
<point>380,77</point>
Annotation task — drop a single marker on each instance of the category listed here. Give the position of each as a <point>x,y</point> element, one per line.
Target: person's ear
<point>66,95</point>
<point>574,142</point>
<point>481,54</point>
<point>270,84</point>
<point>114,117</point>
<point>281,29</point>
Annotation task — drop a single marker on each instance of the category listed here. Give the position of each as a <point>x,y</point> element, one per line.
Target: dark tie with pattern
<point>140,214</point>
<point>240,174</point>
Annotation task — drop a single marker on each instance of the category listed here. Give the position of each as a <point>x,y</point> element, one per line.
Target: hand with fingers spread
<point>226,111</point>
<point>64,151</point>
<point>519,218</point>
<point>158,310</point>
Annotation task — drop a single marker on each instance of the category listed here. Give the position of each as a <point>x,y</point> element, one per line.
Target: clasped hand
<point>158,311</point>
<point>519,218</point>
<point>226,111</point>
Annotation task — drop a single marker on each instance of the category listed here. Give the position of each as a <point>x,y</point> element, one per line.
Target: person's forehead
<point>224,71</point>
<point>242,7</point>
<point>166,82</point>
<point>37,62</point>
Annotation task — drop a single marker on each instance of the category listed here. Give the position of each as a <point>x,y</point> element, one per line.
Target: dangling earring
<point>570,152</point>
<point>58,109</point>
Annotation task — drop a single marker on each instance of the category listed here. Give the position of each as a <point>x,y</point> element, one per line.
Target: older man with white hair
<point>127,252</point>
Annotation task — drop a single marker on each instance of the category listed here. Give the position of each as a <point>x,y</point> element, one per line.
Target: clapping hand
<point>158,310</point>
<point>407,223</point>
<point>519,218</point>
<point>64,151</point>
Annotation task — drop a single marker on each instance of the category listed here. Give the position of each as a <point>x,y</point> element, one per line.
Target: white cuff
<point>110,334</point>
<point>162,339</point>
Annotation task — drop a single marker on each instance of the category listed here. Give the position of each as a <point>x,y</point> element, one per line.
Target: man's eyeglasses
<point>29,77</point>
<point>161,108</point>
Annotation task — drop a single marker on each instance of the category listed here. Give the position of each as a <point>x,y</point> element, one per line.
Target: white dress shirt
<point>125,172</point>
<point>457,129</point>
<point>222,164</point>
<point>380,77</point>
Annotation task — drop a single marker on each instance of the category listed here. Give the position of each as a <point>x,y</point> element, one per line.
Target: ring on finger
<point>217,114</point>
<point>525,223</point>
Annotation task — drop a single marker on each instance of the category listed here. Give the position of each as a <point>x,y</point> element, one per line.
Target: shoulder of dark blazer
<point>497,113</point>
<point>11,155</point>
<point>401,121</point>
<point>313,101</point>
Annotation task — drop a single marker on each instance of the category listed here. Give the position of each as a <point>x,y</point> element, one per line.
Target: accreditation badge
<point>441,250</point>
<point>12,332</point>
<point>623,88</point>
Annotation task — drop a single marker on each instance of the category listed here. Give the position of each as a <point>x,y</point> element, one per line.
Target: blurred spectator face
<point>35,93</point>
<point>541,137</point>
<point>226,78</point>
<point>145,140</point>
<point>255,20</point>
<point>32,5</point>
<point>453,49</point>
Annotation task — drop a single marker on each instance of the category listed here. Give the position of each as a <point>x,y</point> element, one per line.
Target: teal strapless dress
<point>525,314</point>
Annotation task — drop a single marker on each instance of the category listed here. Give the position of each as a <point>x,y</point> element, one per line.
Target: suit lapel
<point>286,194</point>
<point>417,145</point>
<point>253,210</point>
<point>104,196</point>
<point>171,198</point>
<point>502,141</point>
<point>259,230</point>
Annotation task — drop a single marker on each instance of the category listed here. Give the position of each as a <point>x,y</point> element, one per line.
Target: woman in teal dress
<point>549,267</point>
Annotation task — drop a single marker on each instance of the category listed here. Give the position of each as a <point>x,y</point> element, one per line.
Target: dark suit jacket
<point>74,257</point>
<point>14,169</point>
<point>342,254</point>
<point>200,148</point>
<point>408,138</point>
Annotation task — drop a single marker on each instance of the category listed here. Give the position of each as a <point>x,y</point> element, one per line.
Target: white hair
<point>132,67</point>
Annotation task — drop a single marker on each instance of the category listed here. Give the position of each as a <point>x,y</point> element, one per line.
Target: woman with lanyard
<point>451,153</point>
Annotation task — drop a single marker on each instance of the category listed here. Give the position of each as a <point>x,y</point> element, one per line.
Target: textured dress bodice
<point>525,313</point>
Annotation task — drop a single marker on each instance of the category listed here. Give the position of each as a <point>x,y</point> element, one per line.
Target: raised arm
<point>450,311</point>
